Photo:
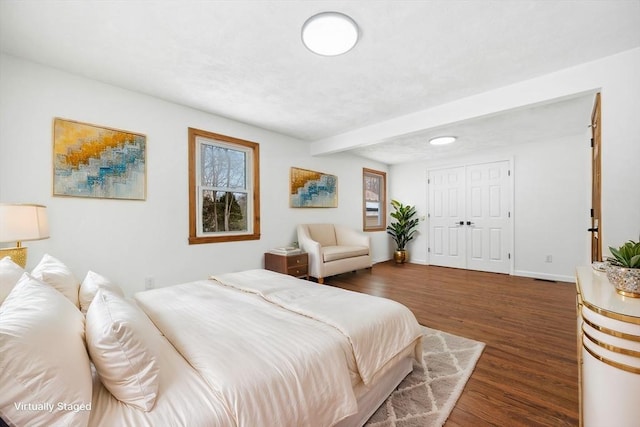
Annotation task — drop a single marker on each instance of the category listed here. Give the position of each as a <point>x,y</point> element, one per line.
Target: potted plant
<point>403,229</point>
<point>623,269</point>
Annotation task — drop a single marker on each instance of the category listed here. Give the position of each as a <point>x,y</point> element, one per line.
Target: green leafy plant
<point>403,229</point>
<point>627,255</point>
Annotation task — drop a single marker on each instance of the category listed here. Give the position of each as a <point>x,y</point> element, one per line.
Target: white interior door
<point>470,218</point>
<point>446,233</point>
<point>487,206</point>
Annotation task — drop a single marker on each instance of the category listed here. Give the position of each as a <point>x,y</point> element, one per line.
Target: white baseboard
<point>545,276</point>
<point>522,273</point>
<point>411,261</point>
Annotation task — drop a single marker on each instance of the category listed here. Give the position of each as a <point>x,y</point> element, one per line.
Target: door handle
<point>593,230</point>
<point>457,224</point>
<point>471,223</point>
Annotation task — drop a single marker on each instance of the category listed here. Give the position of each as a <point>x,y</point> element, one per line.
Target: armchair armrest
<point>311,247</point>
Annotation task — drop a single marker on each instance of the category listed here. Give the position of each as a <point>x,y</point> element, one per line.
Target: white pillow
<point>43,359</point>
<point>122,342</point>
<point>90,285</point>
<point>10,273</point>
<point>55,273</point>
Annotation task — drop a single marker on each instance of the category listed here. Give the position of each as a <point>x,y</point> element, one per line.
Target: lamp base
<point>18,255</point>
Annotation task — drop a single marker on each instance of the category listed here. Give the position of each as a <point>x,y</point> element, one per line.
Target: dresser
<point>608,352</point>
<point>293,265</point>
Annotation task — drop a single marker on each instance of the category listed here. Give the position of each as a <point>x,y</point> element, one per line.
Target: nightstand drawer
<point>297,271</point>
<point>297,260</point>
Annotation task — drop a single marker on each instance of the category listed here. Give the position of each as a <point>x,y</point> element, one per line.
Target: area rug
<point>426,397</point>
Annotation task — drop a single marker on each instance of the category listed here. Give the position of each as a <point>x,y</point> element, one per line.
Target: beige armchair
<point>333,249</point>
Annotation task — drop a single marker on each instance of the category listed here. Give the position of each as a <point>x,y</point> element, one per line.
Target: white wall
<point>552,208</point>
<point>128,241</point>
<point>551,200</point>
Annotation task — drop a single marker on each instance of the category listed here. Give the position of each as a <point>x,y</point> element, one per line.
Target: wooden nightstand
<point>293,265</point>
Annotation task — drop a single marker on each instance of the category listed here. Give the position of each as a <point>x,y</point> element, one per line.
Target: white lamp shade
<point>23,222</point>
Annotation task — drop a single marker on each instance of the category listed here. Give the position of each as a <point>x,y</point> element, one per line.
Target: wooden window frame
<point>254,148</point>
<point>383,202</point>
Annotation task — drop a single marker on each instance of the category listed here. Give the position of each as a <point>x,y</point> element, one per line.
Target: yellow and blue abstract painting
<point>94,161</point>
<point>311,189</point>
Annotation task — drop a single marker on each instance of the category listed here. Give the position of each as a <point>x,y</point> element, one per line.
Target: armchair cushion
<point>333,253</point>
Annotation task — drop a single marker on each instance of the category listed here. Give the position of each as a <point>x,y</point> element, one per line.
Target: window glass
<point>374,200</point>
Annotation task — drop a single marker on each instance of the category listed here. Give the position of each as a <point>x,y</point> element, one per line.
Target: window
<point>374,189</point>
<point>224,191</point>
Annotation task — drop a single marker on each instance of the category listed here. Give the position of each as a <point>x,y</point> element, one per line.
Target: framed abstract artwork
<point>98,162</point>
<point>311,189</point>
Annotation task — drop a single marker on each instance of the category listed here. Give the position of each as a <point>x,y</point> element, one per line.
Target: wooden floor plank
<point>528,373</point>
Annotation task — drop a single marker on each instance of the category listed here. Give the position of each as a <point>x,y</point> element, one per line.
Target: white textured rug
<point>426,397</point>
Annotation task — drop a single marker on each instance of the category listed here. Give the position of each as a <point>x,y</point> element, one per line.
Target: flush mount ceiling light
<point>442,140</point>
<point>330,33</point>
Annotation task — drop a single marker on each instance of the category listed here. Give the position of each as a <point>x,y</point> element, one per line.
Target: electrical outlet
<point>549,258</point>
<point>149,282</point>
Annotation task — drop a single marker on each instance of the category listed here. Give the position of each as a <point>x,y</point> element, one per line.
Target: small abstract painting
<point>98,162</point>
<point>310,189</point>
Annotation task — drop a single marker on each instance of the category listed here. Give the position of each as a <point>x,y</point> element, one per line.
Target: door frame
<point>511,191</point>
<point>596,180</point>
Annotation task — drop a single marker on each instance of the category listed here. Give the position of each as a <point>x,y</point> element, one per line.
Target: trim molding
<point>612,348</point>
<point>611,332</point>
<point>545,276</point>
<point>617,365</point>
<point>612,315</point>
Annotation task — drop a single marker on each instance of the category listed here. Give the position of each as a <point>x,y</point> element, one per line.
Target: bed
<point>252,348</point>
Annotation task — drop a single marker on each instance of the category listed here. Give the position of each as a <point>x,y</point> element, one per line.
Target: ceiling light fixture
<point>442,140</point>
<point>330,33</point>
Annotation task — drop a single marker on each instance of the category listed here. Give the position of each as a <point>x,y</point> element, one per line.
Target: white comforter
<point>263,349</point>
<point>266,365</point>
<point>377,328</point>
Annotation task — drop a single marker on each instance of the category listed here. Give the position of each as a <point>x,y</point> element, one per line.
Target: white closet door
<point>446,201</point>
<point>469,218</point>
<point>487,207</point>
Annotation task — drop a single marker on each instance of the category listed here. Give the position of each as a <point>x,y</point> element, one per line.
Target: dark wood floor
<point>528,373</point>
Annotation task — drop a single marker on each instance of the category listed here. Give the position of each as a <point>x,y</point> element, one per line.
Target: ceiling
<point>537,123</point>
<point>245,60</point>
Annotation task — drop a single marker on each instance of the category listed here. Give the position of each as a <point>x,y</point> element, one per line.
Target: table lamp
<point>18,223</point>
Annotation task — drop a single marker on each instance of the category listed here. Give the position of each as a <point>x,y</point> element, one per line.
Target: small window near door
<point>374,189</point>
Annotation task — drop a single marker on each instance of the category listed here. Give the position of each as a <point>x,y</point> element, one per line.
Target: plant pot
<point>400,256</point>
<point>625,280</point>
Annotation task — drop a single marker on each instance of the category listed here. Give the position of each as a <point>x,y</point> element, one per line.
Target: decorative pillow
<point>122,342</point>
<point>55,273</point>
<point>90,285</point>
<point>10,273</point>
<point>45,373</point>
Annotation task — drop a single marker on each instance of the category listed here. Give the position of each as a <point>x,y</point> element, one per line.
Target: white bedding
<point>267,366</point>
<point>264,349</point>
<point>184,399</point>
<point>377,328</point>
